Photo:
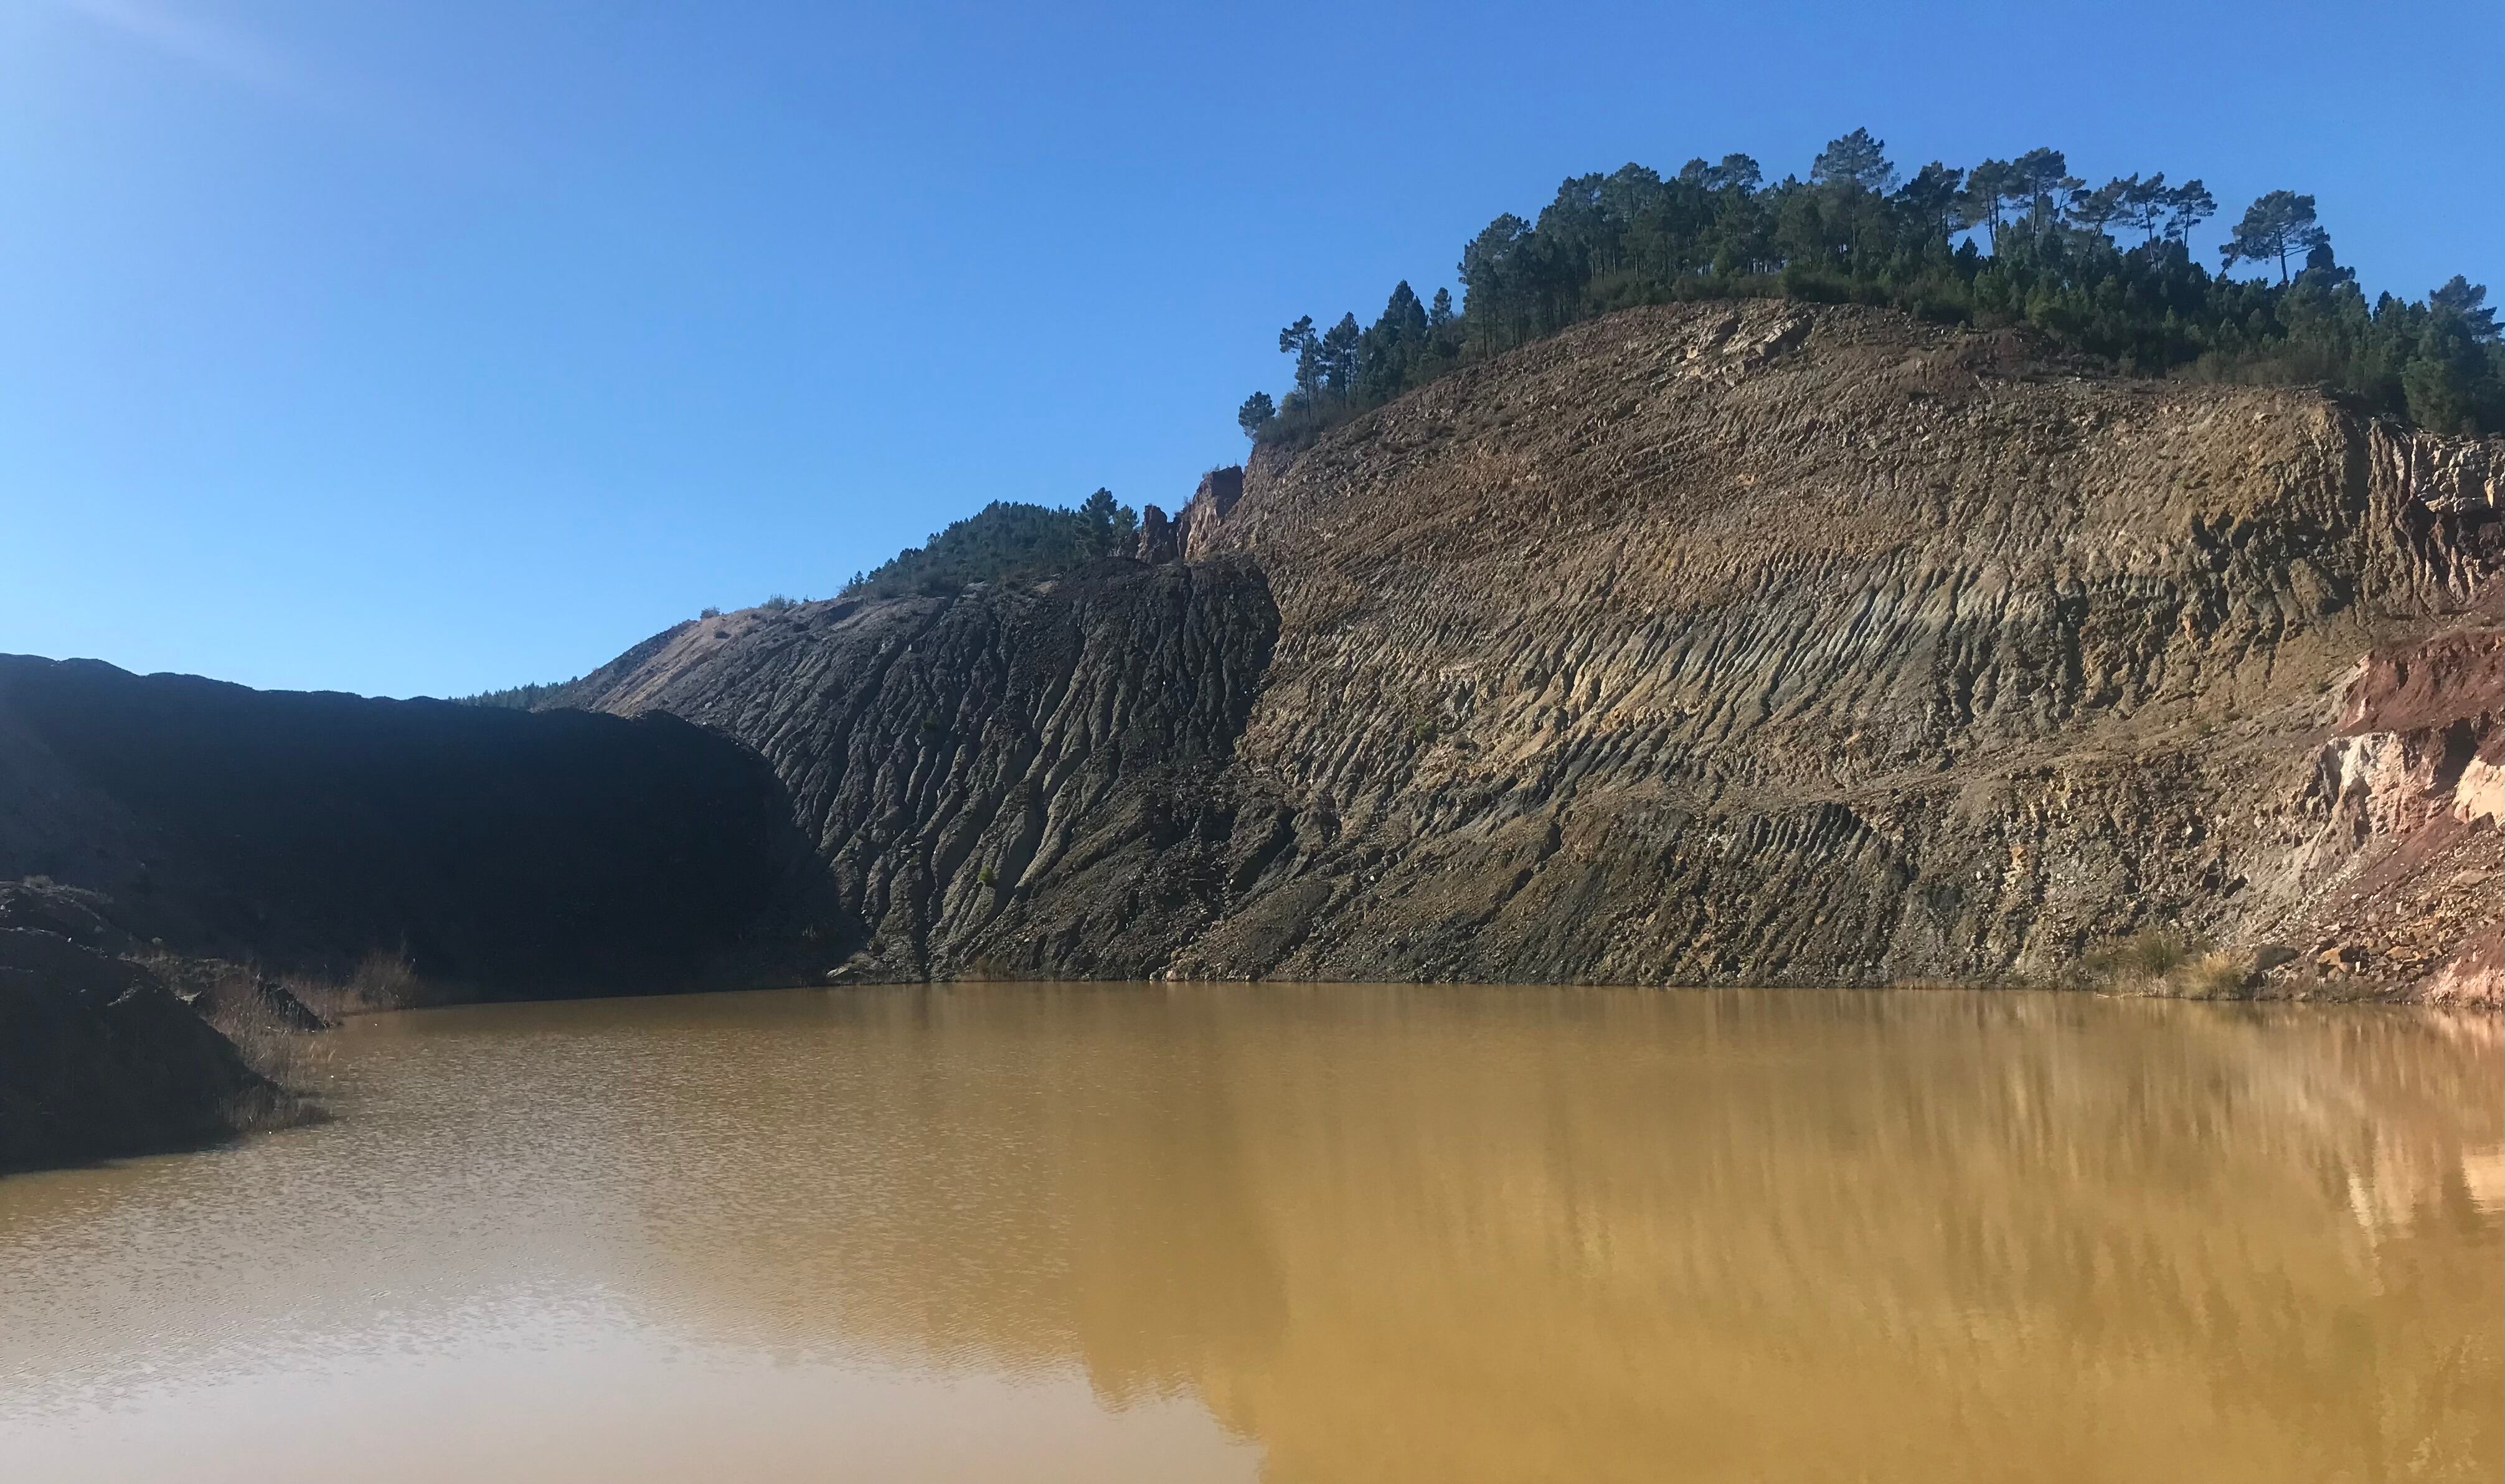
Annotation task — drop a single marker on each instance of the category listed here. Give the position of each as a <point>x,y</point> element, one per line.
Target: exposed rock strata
<point>1029,782</point>
<point>1757,644</point>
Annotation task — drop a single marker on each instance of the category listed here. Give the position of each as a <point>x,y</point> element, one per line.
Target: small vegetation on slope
<point>1005,541</point>
<point>2106,270</point>
<point>518,698</point>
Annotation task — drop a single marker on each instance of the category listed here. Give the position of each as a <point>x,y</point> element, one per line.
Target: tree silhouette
<point>2043,179</point>
<point>1987,186</point>
<point>2187,206</point>
<point>2093,209</point>
<point>1298,340</point>
<point>2278,227</point>
<point>1934,197</point>
<point>1257,414</point>
<point>1855,159</point>
<point>2144,204</point>
<point>2040,257</point>
<point>1338,353</point>
<point>1736,172</point>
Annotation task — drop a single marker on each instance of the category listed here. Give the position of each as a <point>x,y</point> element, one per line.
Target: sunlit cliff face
<point>1436,1234</point>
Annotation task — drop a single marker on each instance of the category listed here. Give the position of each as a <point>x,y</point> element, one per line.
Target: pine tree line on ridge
<point>2106,270</point>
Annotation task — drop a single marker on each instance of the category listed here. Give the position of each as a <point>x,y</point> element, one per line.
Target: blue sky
<point>422,346</point>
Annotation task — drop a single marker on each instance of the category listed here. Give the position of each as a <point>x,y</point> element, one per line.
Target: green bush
<point>1005,541</point>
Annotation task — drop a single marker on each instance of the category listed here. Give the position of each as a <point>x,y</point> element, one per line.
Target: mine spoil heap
<point>1760,643</point>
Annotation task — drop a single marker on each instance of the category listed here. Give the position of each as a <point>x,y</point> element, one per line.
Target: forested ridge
<point>1005,541</point>
<point>2106,270</point>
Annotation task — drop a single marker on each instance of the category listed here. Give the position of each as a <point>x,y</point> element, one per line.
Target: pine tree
<point>2043,178</point>
<point>2144,204</point>
<point>1338,352</point>
<point>1257,414</point>
<point>1932,196</point>
<point>1298,340</point>
<point>2278,227</point>
<point>2042,257</point>
<point>1855,159</point>
<point>2187,206</point>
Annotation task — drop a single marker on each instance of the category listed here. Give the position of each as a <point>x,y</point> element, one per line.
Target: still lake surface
<point>1106,1233</point>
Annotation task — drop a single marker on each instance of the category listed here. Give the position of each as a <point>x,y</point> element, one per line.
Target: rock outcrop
<point>2391,859</point>
<point>1719,643</point>
<point>97,1059</point>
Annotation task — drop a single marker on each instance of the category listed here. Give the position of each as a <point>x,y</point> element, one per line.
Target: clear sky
<point>424,346</point>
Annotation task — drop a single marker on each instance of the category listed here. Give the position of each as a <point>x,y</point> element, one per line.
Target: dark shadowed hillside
<point>499,850</point>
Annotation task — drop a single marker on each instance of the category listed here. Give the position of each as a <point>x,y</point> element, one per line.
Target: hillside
<point>1753,644</point>
<point>495,851</point>
<point>1712,643</point>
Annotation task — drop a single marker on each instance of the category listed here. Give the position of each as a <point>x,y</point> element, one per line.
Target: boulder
<point>99,1059</point>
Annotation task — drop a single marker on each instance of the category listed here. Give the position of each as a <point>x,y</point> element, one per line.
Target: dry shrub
<point>2168,961</point>
<point>380,981</point>
<point>384,982</point>
<point>295,1058</point>
<point>2217,976</point>
<point>2155,953</point>
<point>273,1037</point>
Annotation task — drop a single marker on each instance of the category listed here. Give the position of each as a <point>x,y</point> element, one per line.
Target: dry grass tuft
<point>380,981</point>
<point>277,1022</point>
<point>2217,977</point>
<point>272,1044</point>
<point>2168,961</point>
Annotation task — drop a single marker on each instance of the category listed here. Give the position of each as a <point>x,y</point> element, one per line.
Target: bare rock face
<point>1160,539</point>
<point>2391,875</point>
<point>1723,643</point>
<point>1029,782</point>
<point>1220,489</point>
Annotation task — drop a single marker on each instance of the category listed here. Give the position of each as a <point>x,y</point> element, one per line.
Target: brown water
<point>1383,1235</point>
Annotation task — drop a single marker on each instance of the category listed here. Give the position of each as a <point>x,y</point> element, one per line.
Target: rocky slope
<point>1755,643</point>
<point>1003,782</point>
<point>98,1058</point>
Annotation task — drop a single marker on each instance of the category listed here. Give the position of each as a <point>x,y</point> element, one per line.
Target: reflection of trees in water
<point>1444,1234</point>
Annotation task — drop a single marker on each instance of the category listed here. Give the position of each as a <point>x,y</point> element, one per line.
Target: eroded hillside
<point>1759,643</point>
<point>1029,780</point>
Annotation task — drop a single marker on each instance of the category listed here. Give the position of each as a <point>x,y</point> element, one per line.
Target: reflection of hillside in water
<point>1458,1234</point>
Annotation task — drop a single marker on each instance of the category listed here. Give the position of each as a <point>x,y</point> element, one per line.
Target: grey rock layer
<point>1015,782</point>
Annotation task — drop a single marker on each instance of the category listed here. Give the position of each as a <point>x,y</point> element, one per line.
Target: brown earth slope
<point>1757,644</point>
